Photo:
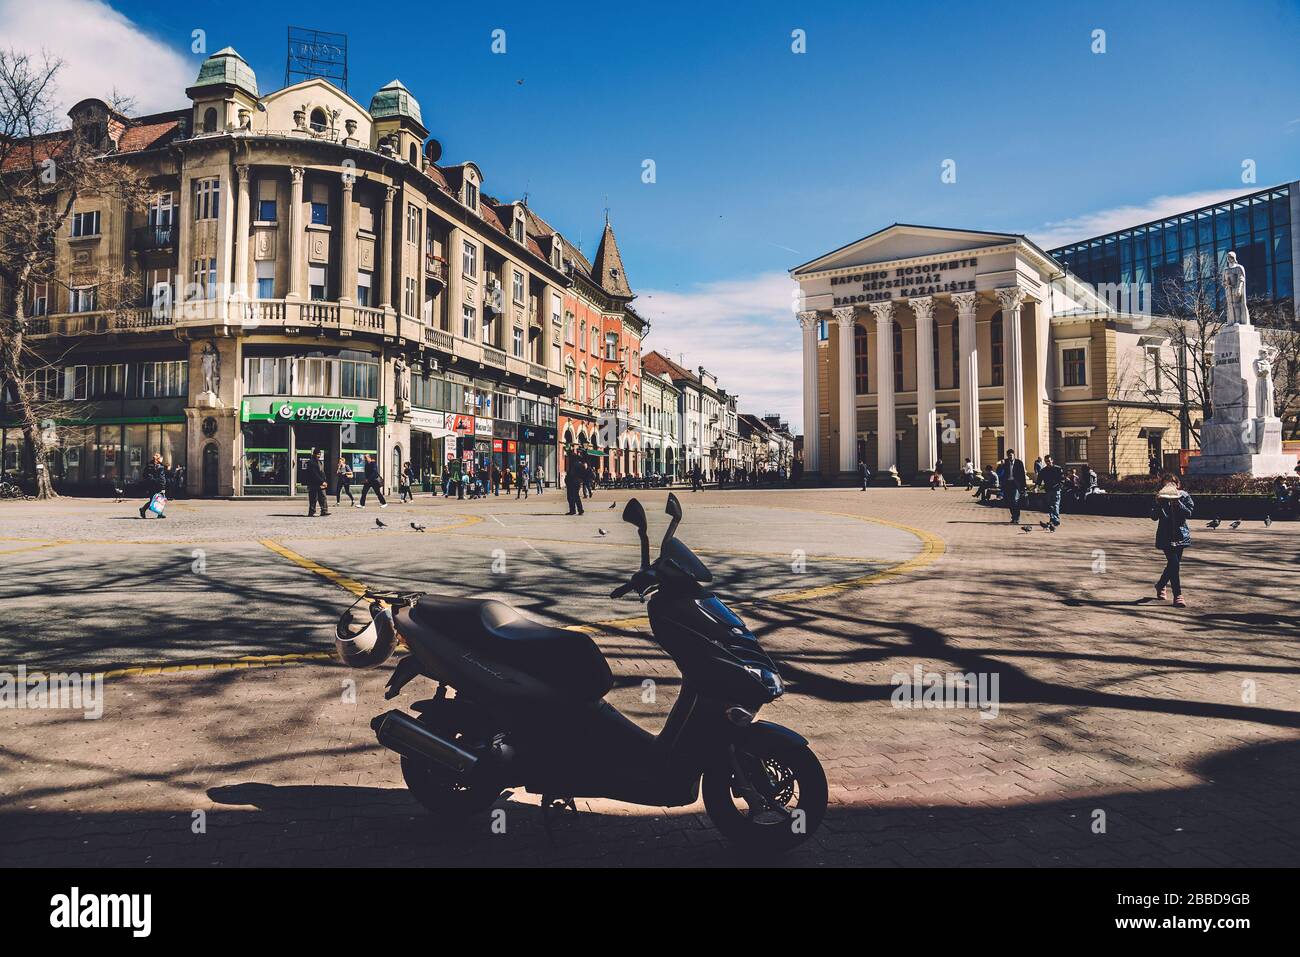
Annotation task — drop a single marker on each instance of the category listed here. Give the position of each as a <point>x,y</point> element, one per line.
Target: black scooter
<point>528,710</point>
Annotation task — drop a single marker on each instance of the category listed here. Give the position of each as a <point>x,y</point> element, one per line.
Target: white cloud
<point>1062,232</point>
<point>741,330</point>
<point>101,50</point>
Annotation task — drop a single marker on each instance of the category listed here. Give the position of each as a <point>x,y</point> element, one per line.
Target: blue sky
<point>763,157</point>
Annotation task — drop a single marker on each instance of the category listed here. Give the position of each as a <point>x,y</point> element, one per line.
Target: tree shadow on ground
<point>1238,816</point>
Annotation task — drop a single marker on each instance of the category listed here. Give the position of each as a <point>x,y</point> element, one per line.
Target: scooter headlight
<point>768,679</point>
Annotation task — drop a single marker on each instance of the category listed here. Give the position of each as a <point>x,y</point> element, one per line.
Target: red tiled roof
<point>146,133</point>
<point>662,365</point>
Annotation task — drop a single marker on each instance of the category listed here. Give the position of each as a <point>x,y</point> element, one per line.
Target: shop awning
<point>433,430</point>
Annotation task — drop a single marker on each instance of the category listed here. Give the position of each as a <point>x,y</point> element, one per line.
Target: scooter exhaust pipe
<point>401,733</point>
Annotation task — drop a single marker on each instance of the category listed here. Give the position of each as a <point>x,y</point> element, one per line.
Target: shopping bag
<point>158,503</point>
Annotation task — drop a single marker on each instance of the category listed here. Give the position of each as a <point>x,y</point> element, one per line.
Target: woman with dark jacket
<point>1172,510</point>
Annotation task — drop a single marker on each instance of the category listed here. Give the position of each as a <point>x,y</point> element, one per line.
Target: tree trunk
<point>11,371</point>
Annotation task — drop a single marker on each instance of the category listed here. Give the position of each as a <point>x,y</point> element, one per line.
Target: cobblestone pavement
<point>1127,732</point>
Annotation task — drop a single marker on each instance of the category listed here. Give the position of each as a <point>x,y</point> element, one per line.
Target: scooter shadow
<point>386,826</point>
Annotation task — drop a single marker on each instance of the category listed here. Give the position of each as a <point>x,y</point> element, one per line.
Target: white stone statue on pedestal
<point>210,362</point>
<point>1264,383</point>
<point>1234,289</point>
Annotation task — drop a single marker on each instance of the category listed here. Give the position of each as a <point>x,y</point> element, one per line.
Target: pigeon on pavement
<point>602,531</point>
<point>1236,524</point>
<point>1214,524</point>
<point>613,504</point>
<point>1026,528</point>
<point>1268,520</point>
<point>418,528</point>
<point>380,524</point>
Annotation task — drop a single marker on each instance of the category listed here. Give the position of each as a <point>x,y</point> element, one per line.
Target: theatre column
<point>886,421</point>
<point>969,376</point>
<point>1013,363</point>
<point>923,309</point>
<point>811,436</point>
<point>239,285</point>
<point>848,413</point>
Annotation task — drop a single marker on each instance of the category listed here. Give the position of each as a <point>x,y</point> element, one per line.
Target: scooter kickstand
<point>555,804</point>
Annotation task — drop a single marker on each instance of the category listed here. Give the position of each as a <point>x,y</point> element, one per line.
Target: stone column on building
<point>886,421</point>
<point>455,291</point>
<point>386,253</point>
<point>926,453</point>
<point>242,241</point>
<point>968,376</point>
<point>1013,368</point>
<point>848,413</point>
<point>347,243</point>
<point>296,268</point>
<point>811,436</point>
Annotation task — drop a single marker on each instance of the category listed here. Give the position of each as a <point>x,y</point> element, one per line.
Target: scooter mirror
<point>634,514</point>
<point>674,507</point>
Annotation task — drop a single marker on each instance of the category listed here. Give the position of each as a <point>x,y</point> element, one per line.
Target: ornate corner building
<point>310,275</point>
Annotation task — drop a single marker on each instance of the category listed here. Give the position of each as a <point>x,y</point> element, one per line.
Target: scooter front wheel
<point>769,795</point>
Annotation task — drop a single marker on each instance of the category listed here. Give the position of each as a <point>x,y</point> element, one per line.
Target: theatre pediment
<point>902,241</point>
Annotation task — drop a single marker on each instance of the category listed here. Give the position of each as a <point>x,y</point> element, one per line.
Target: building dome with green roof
<point>395,100</point>
<point>227,68</point>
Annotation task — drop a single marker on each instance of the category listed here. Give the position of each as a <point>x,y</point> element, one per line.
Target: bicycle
<point>11,491</point>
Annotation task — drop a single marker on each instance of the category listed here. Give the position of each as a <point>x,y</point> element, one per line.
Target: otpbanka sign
<point>904,282</point>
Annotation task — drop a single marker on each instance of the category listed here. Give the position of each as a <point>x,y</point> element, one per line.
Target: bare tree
<point>1280,331</point>
<point>45,170</point>
<point>1131,399</point>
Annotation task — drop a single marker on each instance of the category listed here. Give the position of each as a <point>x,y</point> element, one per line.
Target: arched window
<point>898,357</point>
<point>414,155</point>
<point>319,122</point>
<point>860,357</point>
<point>210,120</point>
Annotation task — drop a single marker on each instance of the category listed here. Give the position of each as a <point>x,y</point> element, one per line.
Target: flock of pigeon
<point>420,528</point>
<point>1214,523</point>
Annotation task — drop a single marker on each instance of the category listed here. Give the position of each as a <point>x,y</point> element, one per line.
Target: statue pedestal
<point>1235,439</point>
<point>208,400</point>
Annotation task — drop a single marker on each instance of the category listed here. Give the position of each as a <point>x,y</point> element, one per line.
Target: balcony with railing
<point>435,268</point>
<point>155,237</point>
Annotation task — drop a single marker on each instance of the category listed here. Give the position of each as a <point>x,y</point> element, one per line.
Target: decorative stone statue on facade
<point>1234,289</point>
<point>211,361</point>
<point>1264,383</point>
<point>402,385</point>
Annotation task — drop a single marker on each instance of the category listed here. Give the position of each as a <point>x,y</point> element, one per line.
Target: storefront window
<point>356,442</point>
<point>266,457</point>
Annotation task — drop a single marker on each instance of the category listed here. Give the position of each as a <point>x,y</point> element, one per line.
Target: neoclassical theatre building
<point>311,275</point>
<point>923,344</point>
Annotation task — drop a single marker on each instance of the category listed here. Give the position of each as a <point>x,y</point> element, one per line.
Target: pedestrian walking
<point>456,475</point>
<point>1172,510</point>
<point>936,477</point>
<point>864,472</point>
<point>695,478</point>
<point>1053,479</point>
<point>155,483</point>
<point>373,481</point>
<point>176,482</point>
<point>343,482</point>
<point>318,485</point>
<point>537,477</point>
<point>968,474</point>
<point>405,478</point>
<point>588,478</point>
<point>1014,484</point>
<point>494,478</point>
<point>574,477</point>
<point>521,487</point>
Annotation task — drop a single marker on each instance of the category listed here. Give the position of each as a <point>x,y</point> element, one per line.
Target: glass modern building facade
<point>1257,226</point>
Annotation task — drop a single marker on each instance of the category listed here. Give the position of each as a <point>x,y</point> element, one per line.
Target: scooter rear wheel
<point>769,796</point>
<point>440,791</point>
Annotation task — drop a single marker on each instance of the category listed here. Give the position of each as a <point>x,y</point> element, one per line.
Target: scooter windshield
<point>681,556</point>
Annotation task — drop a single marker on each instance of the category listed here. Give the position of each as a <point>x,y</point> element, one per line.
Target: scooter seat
<point>568,661</point>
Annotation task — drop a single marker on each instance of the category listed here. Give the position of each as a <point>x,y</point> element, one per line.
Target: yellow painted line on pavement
<point>32,548</point>
<point>338,578</point>
<point>932,548</point>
